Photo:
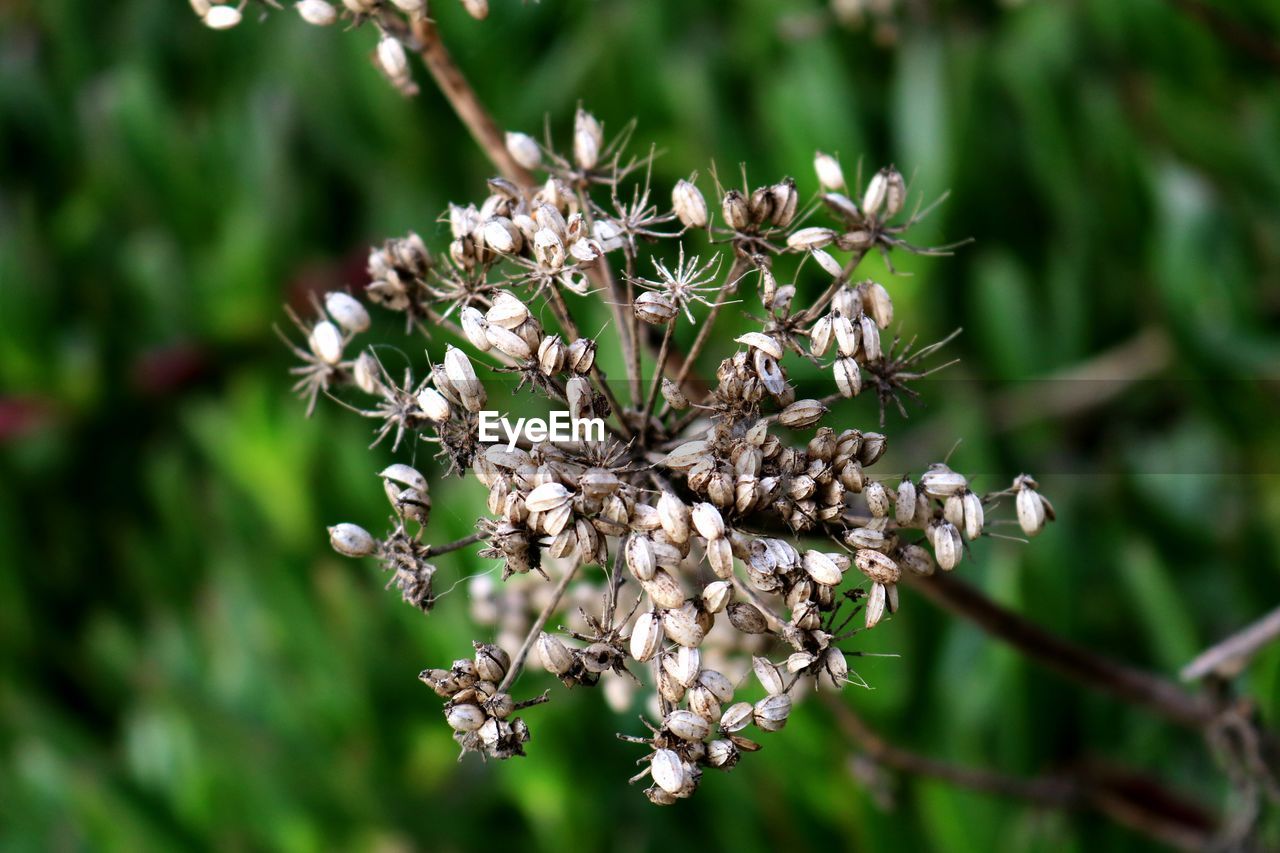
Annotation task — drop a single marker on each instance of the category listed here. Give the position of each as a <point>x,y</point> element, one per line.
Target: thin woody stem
<point>658,371</point>
<point>453,84</point>
<point>618,304</point>
<point>456,545</point>
<point>818,307</point>
<point>538,624</point>
<point>704,334</point>
<point>561,310</point>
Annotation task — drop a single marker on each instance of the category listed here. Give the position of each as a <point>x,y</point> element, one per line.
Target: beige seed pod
<point>433,405</point>
<point>547,497</point>
<point>507,311</point>
<point>877,190</point>
<point>877,566</point>
<point>367,374</point>
<point>491,662</point>
<point>646,636</point>
<point>686,725</point>
<point>736,717</point>
<point>974,517</point>
<point>684,665</point>
<point>668,771</point>
<point>351,540</point>
<point>873,447</point>
<point>895,194</point>
<point>771,712</point>
<point>639,556</point>
<point>708,521</point>
<point>551,355</point>
<point>767,674</point>
<point>891,598</point>
<point>916,560</point>
<point>404,475</point>
<point>808,239</point>
<point>316,12</point>
<point>801,414</point>
<point>478,9</point>
<point>820,336</point>
<point>673,395</point>
<point>870,338</point>
<point>703,703</point>
<point>904,509</point>
<point>346,310</point>
<point>682,626</point>
<point>391,58</point>
<point>689,205</point>
<point>588,139</point>
<point>737,213</point>
<point>656,309</point>
<point>548,249</point>
<point>879,304</point>
<point>848,376</point>
<point>668,687</point>
<point>524,149</point>
<point>502,236</point>
<point>465,718</point>
<point>761,341</point>
<point>940,481</point>
<point>864,537</point>
<point>875,605</point>
<point>785,201</point>
<point>947,545</point>
<point>582,355</point>
<point>747,618</point>
<point>326,342</point>
<point>716,596</point>
<point>822,568</point>
<point>1031,510</point>
<point>221,17</point>
<point>829,264</point>
<point>717,683</point>
<point>686,456</point>
<point>664,590</point>
<point>830,175</point>
<point>953,509</point>
<point>474,326</point>
<point>847,335</point>
<point>878,501</point>
<point>835,666</point>
<point>461,374</point>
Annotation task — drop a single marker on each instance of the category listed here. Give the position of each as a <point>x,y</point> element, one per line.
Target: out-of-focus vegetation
<point>183,662</point>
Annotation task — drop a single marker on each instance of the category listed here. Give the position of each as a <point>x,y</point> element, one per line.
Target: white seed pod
<point>872,448</point>
<point>581,356</point>
<point>351,540</point>
<point>848,377</point>
<point>460,373</point>
<point>346,310</point>
<point>916,559</point>
<point>465,718</point>
<point>366,6</point>
<point>433,405</point>
<point>974,517</point>
<point>1030,508</point>
<point>686,456</point>
<point>491,662</point>
<point>747,618</point>
<point>703,703</point>
<point>717,683</point>
<point>404,475</point>
<point>761,341</point>
<point>947,545</point>
<point>646,636</point>
<point>507,311</point>
<point>367,374</point>
<point>736,717</point>
<point>822,568</point>
<point>502,236</point>
<point>879,304</point>
<point>878,501</point>
<point>668,771</point>
<point>547,497</point>
<point>639,556</point>
<point>847,334</point>
<point>689,205</point>
<point>798,661</point>
<point>673,395</point>
<point>895,194</point>
<point>904,510</point>
<point>555,656</point>
<point>720,557</point>
<point>316,12</point>
<point>524,149</point>
<point>875,605</point>
<point>877,566</point>
<point>392,58</point>
<point>877,190</point>
<point>664,589</point>
<point>684,665</point>
<point>548,249</point>
<point>870,338</point>
<point>682,627</point>
<point>656,309</point>
<point>829,264</point>
<point>940,481</point>
<point>716,595</point>
<point>771,712</point>
<point>222,17</point>
<point>478,9</point>
<point>473,326</point>
<point>820,336</point>
<point>326,342</point>
<point>835,666</point>
<point>708,521</point>
<point>686,725</point>
<point>830,175</point>
<point>808,239</point>
<point>801,414</point>
<point>768,675</point>
<point>588,139</point>
<point>508,342</point>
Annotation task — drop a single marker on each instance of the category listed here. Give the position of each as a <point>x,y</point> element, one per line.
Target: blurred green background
<point>185,663</point>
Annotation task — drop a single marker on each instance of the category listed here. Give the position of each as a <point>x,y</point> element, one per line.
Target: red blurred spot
<point>20,416</point>
<point>167,369</point>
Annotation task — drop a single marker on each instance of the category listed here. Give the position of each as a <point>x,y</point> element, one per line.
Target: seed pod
<point>829,264</point>
<point>722,754</point>
<point>895,194</point>
<point>761,341</point>
<point>346,310</point>
<point>523,148</point>
<point>351,540</point>
<point>668,687</point>
<point>808,239</point>
<point>316,12</point>
<point>820,336</point>
<point>689,205</point>
<point>555,656</point>
<point>473,326</point>
<point>686,725</point>
<point>835,666</point>
<point>905,505</point>
<point>973,516</point>
<point>847,335</point>
<point>717,683</point>
<point>673,395</point>
<point>736,717</point>
<point>588,139</point>
<point>747,618</point>
<point>491,662</point>
<point>830,175</point>
<point>848,377</point>
<point>465,718</point>
<point>877,190</point>
<point>875,605</point>
<point>785,200</point>
<point>433,405</point>
<point>502,236</point>
<point>404,475</point>
<point>221,17</point>
<point>551,355</point>
<point>1031,509</point>
<point>879,304</point>
<point>682,627</point>
<point>461,375</point>
<point>326,342</point>
<point>478,9</point>
<point>864,537</point>
<point>548,249</point>
<point>873,447</point>
<point>547,497</point>
<point>646,636</point>
<point>720,557</point>
<point>716,595</point>
<point>940,481</point>
<point>822,568</point>
<point>916,559</point>
<point>581,356</point>
<point>391,58</point>
<point>768,675</point>
<point>947,545</point>
<point>877,499</point>
<point>877,566</point>
<point>667,771</point>
<point>771,712</point>
<point>639,556</point>
<point>654,308</point>
<point>708,521</point>
<point>684,665</point>
<point>664,590</point>
<point>801,414</point>
<point>737,214</point>
<point>674,515</point>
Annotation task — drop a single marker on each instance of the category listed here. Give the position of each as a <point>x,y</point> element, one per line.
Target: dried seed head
<point>876,193</point>
<point>326,342</point>
<point>830,175</point>
<point>829,264</point>
<point>947,545</point>
<point>765,343</point>
<point>588,139</point>
<point>904,509</point>
<point>848,376</point>
<point>668,771</point>
<point>720,557</point>
<point>747,618</point>
<point>686,725</point>
<point>875,605</point>
<point>822,568</point>
<point>656,309</point>
<point>433,405</point>
<point>736,717</point>
<point>465,718</point>
<point>646,636</point>
<point>716,595</point>
<point>768,675</point>
<point>664,589</point>
<point>879,304</point>
<point>877,566</point>
<point>940,481</point>
<point>556,657</point>
<point>973,516</point>
<point>684,665</point>
<point>682,626</point>
<point>1032,509</point>
<point>820,336</point>
<point>785,200</point>
<point>689,205</point>
<point>581,355</point>
<point>673,395</point>
<point>737,214</point>
<point>491,662</point>
<point>802,413</point>
<point>808,239</point>
<point>391,58</point>
<point>708,521</point>
<point>523,148</point>
<point>351,540</point>
<point>771,712</point>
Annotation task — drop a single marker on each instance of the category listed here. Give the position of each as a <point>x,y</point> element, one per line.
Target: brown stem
<point>517,663</point>
<point>454,86</point>
<point>1226,659</point>
<point>730,287</point>
<point>1137,802</point>
<point>458,544</point>
<point>658,370</point>
<point>1137,686</point>
<point>561,310</point>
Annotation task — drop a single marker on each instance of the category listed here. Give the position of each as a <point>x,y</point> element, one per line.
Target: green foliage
<point>184,663</point>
